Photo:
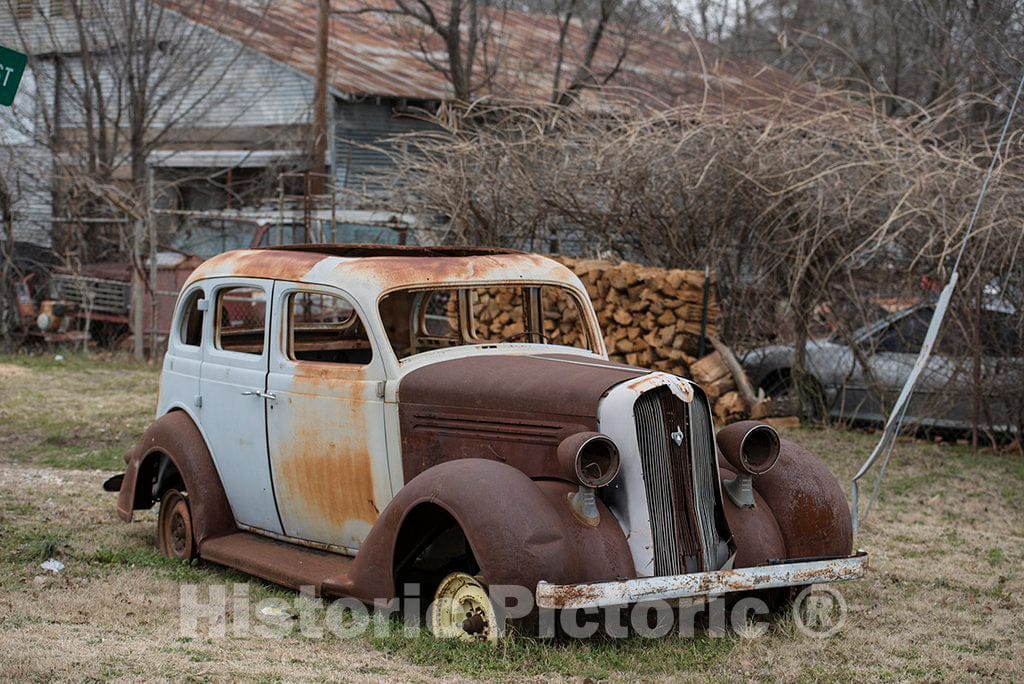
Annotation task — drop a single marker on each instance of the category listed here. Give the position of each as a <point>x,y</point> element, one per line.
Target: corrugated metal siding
<point>239,86</point>
<point>363,137</point>
<point>257,91</point>
<point>41,34</point>
<point>378,55</point>
<point>26,172</point>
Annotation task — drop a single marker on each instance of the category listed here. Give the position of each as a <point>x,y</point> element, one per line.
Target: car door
<point>234,399</point>
<point>891,354</point>
<point>1000,405</point>
<point>326,426</point>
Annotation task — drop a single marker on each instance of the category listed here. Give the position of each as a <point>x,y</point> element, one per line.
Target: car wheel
<point>462,610</point>
<point>174,526</point>
<point>779,388</point>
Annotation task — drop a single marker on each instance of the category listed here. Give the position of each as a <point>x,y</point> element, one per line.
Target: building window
<point>24,9</point>
<point>58,8</point>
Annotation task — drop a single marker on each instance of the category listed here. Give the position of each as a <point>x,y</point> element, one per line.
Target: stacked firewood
<point>651,317</point>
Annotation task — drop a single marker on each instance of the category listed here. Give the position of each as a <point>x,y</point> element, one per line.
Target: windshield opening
<point>422,319</point>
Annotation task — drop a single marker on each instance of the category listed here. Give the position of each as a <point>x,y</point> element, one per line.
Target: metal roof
<point>376,55</point>
<point>220,159</point>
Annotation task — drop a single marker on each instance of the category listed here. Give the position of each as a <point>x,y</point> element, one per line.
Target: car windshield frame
<point>532,308</point>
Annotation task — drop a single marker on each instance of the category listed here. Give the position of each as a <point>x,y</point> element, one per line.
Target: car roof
<point>366,271</point>
<point>365,250</point>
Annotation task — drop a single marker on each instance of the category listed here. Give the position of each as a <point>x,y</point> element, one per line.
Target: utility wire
<point>899,410</point>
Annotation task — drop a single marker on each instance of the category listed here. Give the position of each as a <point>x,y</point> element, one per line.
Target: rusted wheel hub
<point>463,610</point>
<point>174,526</point>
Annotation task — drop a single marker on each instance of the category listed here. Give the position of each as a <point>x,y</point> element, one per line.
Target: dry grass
<point>942,600</point>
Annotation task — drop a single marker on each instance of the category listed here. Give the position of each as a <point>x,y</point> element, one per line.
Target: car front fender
<point>521,531</point>
<point>799,512</point>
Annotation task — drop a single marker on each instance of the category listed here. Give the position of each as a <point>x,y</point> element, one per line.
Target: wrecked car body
<point>359,419</point>
<point>857,378</point>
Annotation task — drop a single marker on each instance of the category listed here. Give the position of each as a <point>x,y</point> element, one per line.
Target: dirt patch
<point>9,370</point>
<point>104,617</point>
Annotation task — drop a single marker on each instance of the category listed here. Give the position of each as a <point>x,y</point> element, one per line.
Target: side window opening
<point>241,319</point>
<point>906,335</point>
<point>326,328</point>
<point>191,332</point>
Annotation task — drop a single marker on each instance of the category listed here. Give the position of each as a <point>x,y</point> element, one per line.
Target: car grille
<point>94,294</point>
<point>681,482</point>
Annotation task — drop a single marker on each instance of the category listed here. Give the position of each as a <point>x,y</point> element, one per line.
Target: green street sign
<point>12,66</point>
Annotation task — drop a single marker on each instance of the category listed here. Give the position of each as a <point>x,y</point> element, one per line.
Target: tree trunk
<point>138,292</point>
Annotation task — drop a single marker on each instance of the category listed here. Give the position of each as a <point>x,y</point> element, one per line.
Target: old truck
<point>347,417</point>
<point>92,302</point>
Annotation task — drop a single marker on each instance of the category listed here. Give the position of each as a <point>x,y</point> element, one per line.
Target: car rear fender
<point>176,437</point>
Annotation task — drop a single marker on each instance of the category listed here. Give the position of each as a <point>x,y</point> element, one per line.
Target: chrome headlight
<point>590,458</point>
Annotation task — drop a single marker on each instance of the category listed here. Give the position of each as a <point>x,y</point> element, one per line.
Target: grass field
<point>942,600</point>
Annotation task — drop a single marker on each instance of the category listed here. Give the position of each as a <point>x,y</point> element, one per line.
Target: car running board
<point>279,562</point>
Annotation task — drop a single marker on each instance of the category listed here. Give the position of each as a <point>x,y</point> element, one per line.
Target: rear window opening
<point>241,319</point>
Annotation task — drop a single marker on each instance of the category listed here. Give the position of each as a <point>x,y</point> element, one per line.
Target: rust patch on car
<point>396,271</point>
<point>277,264</point>
<point>572,594</point>
<point>342,263</point>
<point>323,471</point>
<point>513,409</point>
<point>755,531</point>
<point>808,504</point>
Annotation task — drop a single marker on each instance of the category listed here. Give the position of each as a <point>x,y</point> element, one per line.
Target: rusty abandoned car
<point>344,416</point>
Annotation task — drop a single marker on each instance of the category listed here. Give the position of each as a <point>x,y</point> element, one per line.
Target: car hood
<point>538,384</point>
<point>781,350</point>
<point>515,408</point>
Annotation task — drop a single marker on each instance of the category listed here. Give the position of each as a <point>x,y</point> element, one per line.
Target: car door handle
<point>259,393</point>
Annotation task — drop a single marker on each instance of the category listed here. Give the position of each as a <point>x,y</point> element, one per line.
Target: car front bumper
<point>701,585</point>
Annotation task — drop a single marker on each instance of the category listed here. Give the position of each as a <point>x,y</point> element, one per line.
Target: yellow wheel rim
<point>463,610</point>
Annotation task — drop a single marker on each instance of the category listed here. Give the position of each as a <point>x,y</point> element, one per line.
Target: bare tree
<point>913,54</point>
<point>800,212</point>
<point>466,40</point>
<point>618,17</point>
<point>7,266</point>
<point>464,28</point>
<point>121,78</point>
<point>118,79</point>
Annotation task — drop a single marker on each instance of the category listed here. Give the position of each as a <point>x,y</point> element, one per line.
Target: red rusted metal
<point>176,436</point>
<point>383,55</point>
<point>321,455</point>
<point>364,250</point>
<point>808,504</point>
<point>520,531</point>
<point>749,446</point>
<point>755,531</point>
<point>276,561</point>
<point>395,267</point>
<point>504,408</point>
<point>703,585</point>
<point>479,438</point>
